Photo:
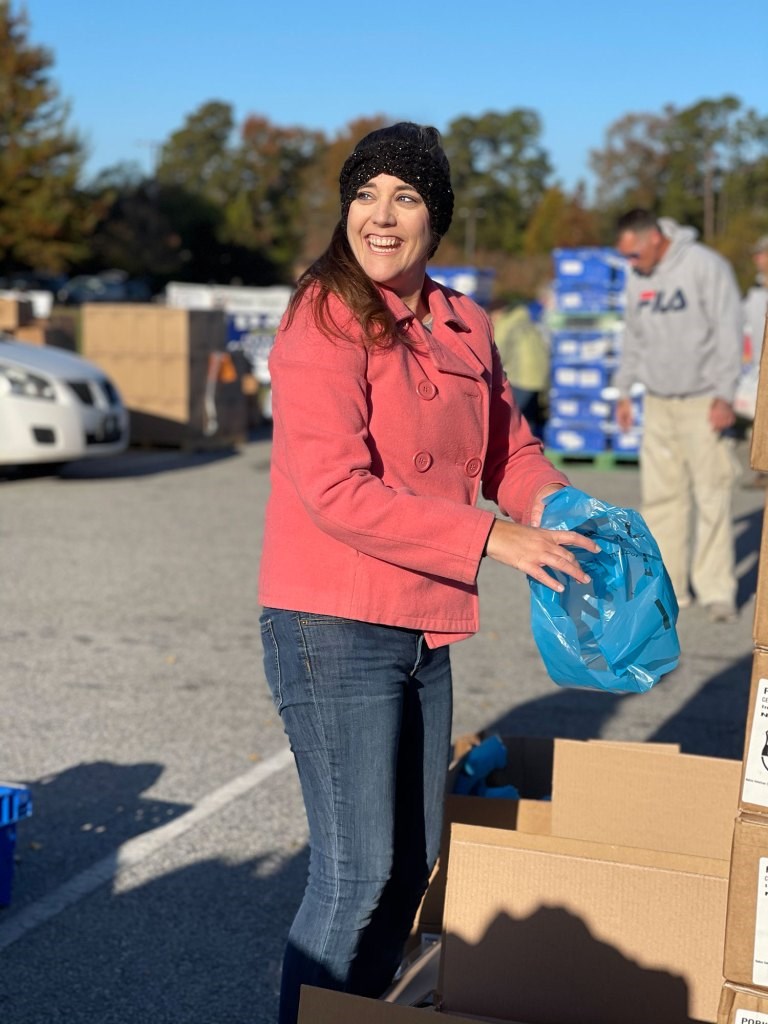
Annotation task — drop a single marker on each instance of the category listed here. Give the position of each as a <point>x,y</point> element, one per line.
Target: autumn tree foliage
<point>42,221</point>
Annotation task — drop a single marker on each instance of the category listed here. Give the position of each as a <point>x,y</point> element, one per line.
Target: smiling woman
<point>391,413</point>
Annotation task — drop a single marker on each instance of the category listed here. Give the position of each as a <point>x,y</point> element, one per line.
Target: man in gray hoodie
<point>683,342</point>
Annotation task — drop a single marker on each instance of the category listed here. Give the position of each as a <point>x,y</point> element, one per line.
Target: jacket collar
<point>449,351</point>
<point>438,300</point>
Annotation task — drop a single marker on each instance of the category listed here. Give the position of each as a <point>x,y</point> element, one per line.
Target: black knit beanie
<point>407,151</point>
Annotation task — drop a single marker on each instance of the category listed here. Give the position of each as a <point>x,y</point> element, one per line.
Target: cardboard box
<point>759,447</point>
<point>760,621</point>
<point>754,784</point>
<point>15,313</point>
<point>746,938</point>
<point>549,930</point>
<point>171,370</point>
<point>529,768</point>
<point>36,333</point>
<point>641,795</point>
<point>319,1006</point>
<point>742,1006</point>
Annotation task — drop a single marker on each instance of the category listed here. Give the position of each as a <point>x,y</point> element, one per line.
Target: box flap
<point>545,928</point>
<point>321,1006</point>
<point>634,797</point>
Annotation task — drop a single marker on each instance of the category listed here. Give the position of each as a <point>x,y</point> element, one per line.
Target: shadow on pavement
<point>748,532</point>
<point>712,722</point>
<point>80,816</point>
<point>200,945</point>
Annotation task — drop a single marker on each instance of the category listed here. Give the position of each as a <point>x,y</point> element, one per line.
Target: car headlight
<point>15,381</point>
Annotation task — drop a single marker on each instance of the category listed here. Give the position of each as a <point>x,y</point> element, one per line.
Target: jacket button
<point>426,390</point>
<point>472,467</point>
<point>422,461</point>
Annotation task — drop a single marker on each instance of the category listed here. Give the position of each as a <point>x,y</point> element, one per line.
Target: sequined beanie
<point>407,151</point>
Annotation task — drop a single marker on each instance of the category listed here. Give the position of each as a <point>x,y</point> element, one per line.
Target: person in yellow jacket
<point>525,358</point>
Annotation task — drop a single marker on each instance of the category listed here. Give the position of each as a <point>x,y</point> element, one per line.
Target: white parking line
<point>136,850</point>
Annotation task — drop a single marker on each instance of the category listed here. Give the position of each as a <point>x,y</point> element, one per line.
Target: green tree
<point>632,163</point>
<point>199,157</point>
<point>274,162</point>
<point>499,171</point>
<point>42,218</point>
<point>560,220</point>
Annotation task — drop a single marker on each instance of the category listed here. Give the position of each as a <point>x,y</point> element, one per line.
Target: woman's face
<point>389,232</point>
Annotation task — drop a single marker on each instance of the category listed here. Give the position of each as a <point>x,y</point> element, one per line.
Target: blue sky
<point>133,71</point>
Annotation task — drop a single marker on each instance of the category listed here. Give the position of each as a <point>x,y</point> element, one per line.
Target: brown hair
<point>337,272</point>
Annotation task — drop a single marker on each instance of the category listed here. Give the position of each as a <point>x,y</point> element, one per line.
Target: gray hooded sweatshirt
<point>683,331</point>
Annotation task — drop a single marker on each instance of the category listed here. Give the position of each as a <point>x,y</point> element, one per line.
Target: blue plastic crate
<point>476,282</point>
<point>575,438</point>
<point>583,346</point>
<point>585,380</point>
<point>579,407</point>
<point>15,804</point>
<point>586,300</point>
<point>590,267</point>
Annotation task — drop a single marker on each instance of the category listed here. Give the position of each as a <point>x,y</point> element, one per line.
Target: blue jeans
<point>367,709</point>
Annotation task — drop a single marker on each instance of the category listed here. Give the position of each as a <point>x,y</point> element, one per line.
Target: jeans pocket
<point>271,661</point>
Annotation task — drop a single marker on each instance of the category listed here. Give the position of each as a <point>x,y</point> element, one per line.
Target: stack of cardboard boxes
<point>745,993</point>
<point>605,903</point>
<point>15,314</point>
<point>170,365</point>
<point>628,896</point>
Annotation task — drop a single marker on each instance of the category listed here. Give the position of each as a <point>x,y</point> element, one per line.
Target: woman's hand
<point>538,505</point>
<point>530,549</point>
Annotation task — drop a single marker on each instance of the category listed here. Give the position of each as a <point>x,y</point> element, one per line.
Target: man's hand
<point>530,549</point>
<point>721,415</point>
<point>625,415</point>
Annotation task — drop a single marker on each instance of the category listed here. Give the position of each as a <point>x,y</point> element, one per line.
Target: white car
<point>56,407</point>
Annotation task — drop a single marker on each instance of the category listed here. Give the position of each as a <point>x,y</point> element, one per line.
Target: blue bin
<point>15,804</point>
<point>589,267</point>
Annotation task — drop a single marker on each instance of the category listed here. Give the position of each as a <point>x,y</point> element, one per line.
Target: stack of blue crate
<point>585,335</point>
<point>15,804</point>
<point>589,280</point>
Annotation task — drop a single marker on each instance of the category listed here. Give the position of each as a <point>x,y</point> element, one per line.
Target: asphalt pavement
<point>166,855</point>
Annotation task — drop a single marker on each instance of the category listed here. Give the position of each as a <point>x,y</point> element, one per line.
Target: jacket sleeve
<point>720,296</point>
<point>321,419</point>
<point>515,466</point>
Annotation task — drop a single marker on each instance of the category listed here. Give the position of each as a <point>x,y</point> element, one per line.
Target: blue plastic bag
<point>618,632</point>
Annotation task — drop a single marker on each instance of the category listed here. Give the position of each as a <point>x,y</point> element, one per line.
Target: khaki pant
<point>687,477</point>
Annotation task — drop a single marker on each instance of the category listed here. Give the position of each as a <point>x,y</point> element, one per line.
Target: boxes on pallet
<point>589,267</point>
<point>579,346</point>
<point>586,300</point>
<point>15,804</point>
<point>587,379</point>
<point>171,368</point>
<point>577,407</point>
<point>572,436</point>
<point>626,443</point>
<point>15,312</point>
<point>475,282</point>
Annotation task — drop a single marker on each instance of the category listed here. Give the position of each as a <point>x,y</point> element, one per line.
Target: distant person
<point>683,341</point>
<point>525,357</point>
<point>391,416</point>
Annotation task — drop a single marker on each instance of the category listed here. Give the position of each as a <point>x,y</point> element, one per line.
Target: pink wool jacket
<point>379,456</point>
